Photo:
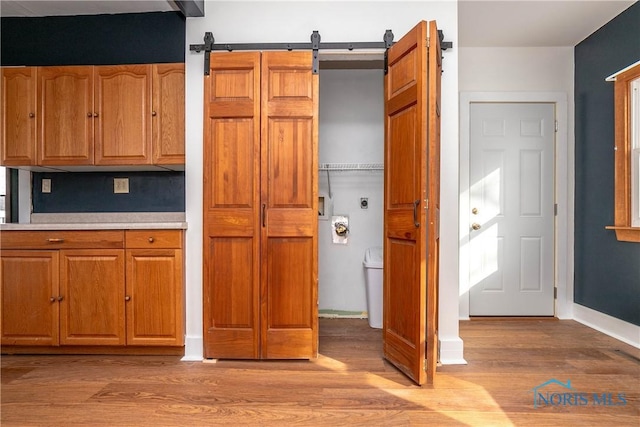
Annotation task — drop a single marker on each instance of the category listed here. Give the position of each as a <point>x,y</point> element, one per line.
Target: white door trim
<point>564,195</point>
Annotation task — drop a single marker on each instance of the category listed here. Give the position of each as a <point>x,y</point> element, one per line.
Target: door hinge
<point>424,364</point>
<point>555,209</point>
<point>555,293</point>
<point>556,126</point>
<point>428,42</point>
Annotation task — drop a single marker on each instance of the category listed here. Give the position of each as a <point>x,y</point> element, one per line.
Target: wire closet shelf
<point>338,167</point>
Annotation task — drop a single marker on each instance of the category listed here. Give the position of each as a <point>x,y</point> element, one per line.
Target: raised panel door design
<point>289,172</point>
<point>154,302</point>
<point>18,115</point>
<point>260,206</point>
<point>123,108</point>
<point>168,115</point>
<point>511,190</point>
<point>412,141</point>
<point>66,115</point>
<point>29,297</point>
<point>231,276</point>
<point>92,289</point>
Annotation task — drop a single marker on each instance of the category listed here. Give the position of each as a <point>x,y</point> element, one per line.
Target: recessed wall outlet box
<point>46,185</point>
<point>120,185</point>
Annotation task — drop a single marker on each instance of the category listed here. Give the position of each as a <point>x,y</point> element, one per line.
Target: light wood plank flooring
<point>349,384</point>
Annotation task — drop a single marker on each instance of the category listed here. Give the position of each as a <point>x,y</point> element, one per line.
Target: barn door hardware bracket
<point>315,47</point>
<point>443,44</point>
<point>207,47</point>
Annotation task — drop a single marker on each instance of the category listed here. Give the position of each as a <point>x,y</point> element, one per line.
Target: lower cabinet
<point>154,297</point>
<point>92,297</point>
<point>126,296</point>
<point>29,296</point>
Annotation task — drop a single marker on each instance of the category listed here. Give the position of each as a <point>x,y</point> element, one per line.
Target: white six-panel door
<point>511,211</point>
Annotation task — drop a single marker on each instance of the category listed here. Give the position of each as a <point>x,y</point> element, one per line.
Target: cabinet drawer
<point>153,239</point>
<point>52,239</point>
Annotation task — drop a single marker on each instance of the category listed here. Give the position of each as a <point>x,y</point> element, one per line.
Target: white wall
<point>346,21</point>
<point>351,130</point>
<point>526,74</point>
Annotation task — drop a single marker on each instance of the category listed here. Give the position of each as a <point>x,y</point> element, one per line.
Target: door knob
<point>476,226</point>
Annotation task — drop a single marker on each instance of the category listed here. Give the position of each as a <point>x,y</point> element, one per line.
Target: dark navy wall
<point>132,38</point>
<point>607,272</point>
<point>97,40</point>
<point>93,192</point>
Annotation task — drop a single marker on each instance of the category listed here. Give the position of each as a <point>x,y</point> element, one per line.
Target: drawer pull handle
<point>55,240</point>
<point>127,298</point>
<point>151,240</point>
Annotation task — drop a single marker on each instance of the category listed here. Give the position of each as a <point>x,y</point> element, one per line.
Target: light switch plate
<point>46,185</point>
<point>120,185</point>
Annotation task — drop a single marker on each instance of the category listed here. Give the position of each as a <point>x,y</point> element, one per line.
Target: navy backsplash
<point>93,192</point>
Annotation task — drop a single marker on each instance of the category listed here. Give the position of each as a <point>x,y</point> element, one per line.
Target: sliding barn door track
<point>314,45</point>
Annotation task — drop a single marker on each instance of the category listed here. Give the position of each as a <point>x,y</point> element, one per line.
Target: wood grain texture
<point>349,384</point>
<point>168,114</point>
<point>18,116</point>
<point>122,127</point>
<point>65,115</point>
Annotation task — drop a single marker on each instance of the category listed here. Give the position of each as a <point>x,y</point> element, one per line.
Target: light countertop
<point>102,221</point>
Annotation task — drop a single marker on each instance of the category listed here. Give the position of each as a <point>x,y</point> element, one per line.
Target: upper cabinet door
<point>122,111</point>
<point>18,115</point>
<point>167,114</point>
<point>66,115</point>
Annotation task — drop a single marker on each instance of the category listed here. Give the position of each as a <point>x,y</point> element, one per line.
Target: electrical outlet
<point>120,185</point>
<point>46,185</point>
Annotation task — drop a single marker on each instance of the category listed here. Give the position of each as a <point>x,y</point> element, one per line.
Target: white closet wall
<point>351,131</point>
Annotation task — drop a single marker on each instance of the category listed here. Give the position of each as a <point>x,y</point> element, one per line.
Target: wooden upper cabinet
<point>66,115</point>
<point>18,115</point>
<point>123,104</point>
<point>93,115</point>
<point>168,114</point>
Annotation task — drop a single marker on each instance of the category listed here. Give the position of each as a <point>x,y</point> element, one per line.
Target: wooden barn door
<point>260,204</point>
<point>412,140</point>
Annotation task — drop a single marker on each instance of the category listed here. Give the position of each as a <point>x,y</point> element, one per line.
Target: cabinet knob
<point>127,298</point>
<point>52,299</point>
<point>151,240</point>
<point>31,115</point>
<point>60,298</point>
<point>95,114</point>
<point>153,113</point>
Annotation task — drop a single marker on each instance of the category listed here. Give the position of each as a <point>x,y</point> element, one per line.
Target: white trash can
<point>373,283</point>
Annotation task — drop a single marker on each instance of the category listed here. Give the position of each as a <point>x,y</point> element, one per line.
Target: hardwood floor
<point>349,384</point>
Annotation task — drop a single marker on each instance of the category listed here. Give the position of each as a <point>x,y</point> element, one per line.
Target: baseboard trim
<point>193,349</point>
<point>451,351</point>
<point>611,326</point>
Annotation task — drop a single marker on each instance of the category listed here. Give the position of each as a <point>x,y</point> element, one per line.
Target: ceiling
<point>531,23</point>
<point>495,23</point>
